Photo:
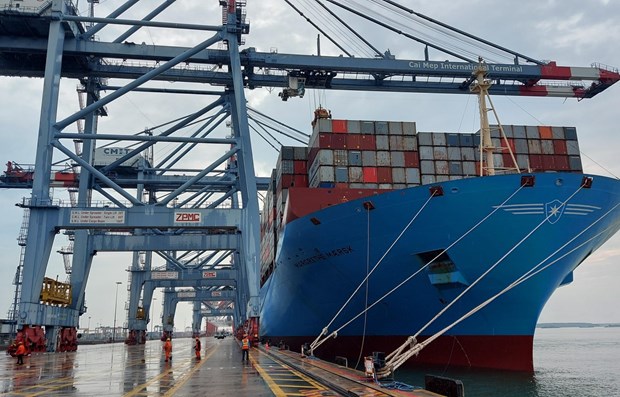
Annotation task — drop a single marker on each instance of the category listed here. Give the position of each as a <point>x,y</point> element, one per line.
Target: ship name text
<point>321,256</point>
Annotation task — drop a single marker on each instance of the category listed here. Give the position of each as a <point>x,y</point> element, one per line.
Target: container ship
<point>380,232</point>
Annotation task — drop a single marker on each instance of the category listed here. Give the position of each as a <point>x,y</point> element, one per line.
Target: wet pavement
<point>120,370</point>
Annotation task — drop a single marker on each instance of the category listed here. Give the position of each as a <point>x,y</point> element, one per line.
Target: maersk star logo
<point>554,210</point>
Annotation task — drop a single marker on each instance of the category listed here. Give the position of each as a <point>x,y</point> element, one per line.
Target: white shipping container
<point>409,128</point>
<point>572,148</point>
<point>383,159</point>
<point>341,158</point>
<point>428,179</point>
<point>325,173</point>
<point>442,168</point>
<point>425,139</point>
<point>547,146</point>
<point>367,127</point>
<point>468,154</point>
<point>396,142</point>
<point>395,128</point>
<point>382,142</point>
<point>356,175</point>
<point>426,153</point>
<point>469,168</point>
<point>398,175</point>
<point>439,139</point>
<point>534,146</point>
<point>369,158</point>
<point>354,127</point>
<point>440,153</point>
<point>409,143</point>
<point>398,159</point>
<point>427,167</point>
<point>381,127</point>
<point>454,153</point>
<point>412,175</point>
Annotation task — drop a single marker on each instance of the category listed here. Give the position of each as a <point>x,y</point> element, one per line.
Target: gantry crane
<point>165,207</point>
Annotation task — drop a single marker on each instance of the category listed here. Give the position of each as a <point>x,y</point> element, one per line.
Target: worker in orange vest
<point>168,349</point>
<point>197,347</point>
<point>20,352</point>
<point>245,348</point>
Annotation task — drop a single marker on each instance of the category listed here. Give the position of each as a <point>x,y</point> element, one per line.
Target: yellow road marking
<point>277,389</point>
<point>140,389</point>
<point>188,375</point>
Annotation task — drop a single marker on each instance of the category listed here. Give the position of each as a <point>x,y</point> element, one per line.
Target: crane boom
<point>262,69</point>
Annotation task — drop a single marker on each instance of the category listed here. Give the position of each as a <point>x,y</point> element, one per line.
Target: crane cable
<point>397,357</point>
<point>317,342</point>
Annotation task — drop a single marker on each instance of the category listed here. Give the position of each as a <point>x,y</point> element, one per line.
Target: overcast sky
<point>571,32</point>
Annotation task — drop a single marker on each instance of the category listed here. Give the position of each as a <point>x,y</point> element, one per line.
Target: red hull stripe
<point>513,353</point>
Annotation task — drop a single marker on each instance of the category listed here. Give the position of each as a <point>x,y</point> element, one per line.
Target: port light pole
<point>153,313</point>
<point>115,304</point>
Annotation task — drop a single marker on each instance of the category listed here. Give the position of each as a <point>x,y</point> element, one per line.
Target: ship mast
<point>487,148</point>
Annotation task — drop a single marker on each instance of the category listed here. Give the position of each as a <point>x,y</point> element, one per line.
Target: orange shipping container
<point>370,175</point>
<point>545,132</point>
<point>339,126</point>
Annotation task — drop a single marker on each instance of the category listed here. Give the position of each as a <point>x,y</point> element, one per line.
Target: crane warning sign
<point>89,216</point>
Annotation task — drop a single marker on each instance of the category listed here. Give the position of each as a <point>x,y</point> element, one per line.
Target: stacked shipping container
<point>363,154</point>
<point>358,158</point>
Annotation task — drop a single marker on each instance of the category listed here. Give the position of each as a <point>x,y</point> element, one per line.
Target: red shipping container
<point>559,147</point>
<point>325,141</point>
<point>339,126</point>
<point>339,141</point>
<point>300,181</point>
<point>368,142</point>
<point>511,144</point>
<point>384,174</point>
<point>548,164</point>
<point>545,132</point>
<point>412,160</point>
<point>536,162</point>
<point>370,175</point>
<point>507,161</point>
<point>354,141</point>
<point>561,162</point>
<point>300,167</point>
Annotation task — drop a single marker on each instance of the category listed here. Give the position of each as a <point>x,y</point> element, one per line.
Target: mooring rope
<point>318,341</point>
<point>398,357</point>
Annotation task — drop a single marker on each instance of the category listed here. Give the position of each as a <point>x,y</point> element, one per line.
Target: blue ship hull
<point>324,256</point>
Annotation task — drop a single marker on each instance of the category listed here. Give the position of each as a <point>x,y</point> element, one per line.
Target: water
<point>583,362</point>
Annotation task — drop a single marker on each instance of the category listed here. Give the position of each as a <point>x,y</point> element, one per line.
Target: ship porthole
<point>559,182</point>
